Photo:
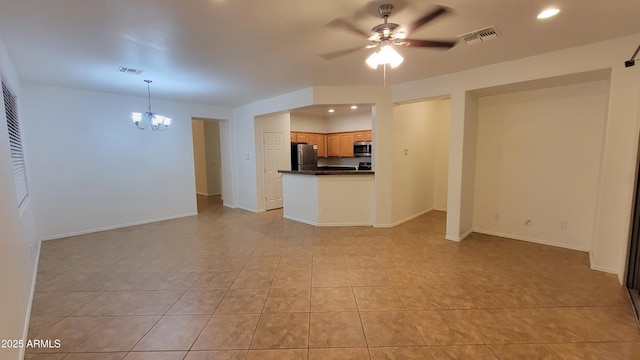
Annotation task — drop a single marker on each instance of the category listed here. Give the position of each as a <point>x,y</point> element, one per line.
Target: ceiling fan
<point>389,34</point>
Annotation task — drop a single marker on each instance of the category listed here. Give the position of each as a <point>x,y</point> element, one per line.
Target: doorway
<point>207,161</point>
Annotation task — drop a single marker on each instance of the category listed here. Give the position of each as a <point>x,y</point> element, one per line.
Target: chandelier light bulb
<point>136,117</point>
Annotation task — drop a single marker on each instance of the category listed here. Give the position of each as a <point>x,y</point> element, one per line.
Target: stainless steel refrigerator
<point>304,156</point>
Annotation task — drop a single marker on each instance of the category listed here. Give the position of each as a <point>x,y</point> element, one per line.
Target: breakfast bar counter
<point>328,197</point>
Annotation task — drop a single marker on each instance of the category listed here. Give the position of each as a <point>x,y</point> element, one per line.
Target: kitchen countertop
<point>328,172</point>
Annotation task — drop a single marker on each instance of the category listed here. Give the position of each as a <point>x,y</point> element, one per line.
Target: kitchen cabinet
<point>358,136</point>
<point>302,137</point>
<point>365,135</point>
<point>346,144</point>
<point>292,136</point>
<point>368,135</point>
<point>333,145</point>
<point>320,141</point>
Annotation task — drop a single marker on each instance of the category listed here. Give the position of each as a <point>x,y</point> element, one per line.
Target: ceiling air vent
<point>129,71</point>
<point>481,35</point>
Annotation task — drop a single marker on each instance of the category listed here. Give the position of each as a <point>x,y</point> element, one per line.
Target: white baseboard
<point>247,209</point>
<point>404,220</point>
<point>460,238</point>
<point>230,206</point>
<point>609,271</point>
<point>32,293</point>
<point>117,226</point>
<point>533,240</point>
<point>304,221</point>
<point>308,222</point>
<point>411,217</point>
<point>207,194</point>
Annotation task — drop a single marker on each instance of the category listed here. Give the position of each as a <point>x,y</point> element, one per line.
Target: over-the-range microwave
<point>362,148</point>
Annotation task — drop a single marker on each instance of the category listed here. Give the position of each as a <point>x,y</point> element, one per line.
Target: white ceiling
<point>231,52</point>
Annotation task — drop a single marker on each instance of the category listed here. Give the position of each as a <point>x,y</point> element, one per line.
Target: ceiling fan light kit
<point>385,36</point>
<point>386,55</point>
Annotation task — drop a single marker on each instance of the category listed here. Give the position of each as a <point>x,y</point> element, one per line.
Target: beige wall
<point>213,157</point>
<point>420,132</point>
<point>597,61</point>
<point>206,156</point>
<point>538,157</point>
<point>308,123</point>
<point>442,111</point>
<point>349,122</point>
<point>199,156</point>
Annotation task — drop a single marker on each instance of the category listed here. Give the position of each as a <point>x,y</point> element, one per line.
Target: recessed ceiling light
<point>331,110</point>
<point>353,107</point>
<point>547,13</point>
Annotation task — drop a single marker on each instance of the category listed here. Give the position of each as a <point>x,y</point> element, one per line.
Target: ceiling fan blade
<point>347,26</point>
<point>428,43</point>
<point>336,54</point>
<point>440,10</point>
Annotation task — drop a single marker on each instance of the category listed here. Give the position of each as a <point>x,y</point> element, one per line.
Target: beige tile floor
<point>229,284</point>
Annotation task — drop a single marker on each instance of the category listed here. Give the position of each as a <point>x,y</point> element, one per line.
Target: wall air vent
<point>478,36</point>
<point>129,71</point>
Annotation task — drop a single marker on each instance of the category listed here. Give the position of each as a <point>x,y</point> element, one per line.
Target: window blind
<point>15,145</point>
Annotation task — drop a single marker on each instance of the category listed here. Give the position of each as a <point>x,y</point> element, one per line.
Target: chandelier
<point>149,118</point>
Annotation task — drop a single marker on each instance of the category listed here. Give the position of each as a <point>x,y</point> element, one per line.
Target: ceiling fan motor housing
<point>385,10</point>
<point>385,31</point>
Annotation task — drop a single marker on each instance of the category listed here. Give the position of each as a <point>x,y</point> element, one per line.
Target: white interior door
<point>275,158</point>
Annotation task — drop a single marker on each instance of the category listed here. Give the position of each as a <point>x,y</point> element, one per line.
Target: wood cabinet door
<point>302,137</point>
<point>317,139</point>
<point>333,145</point>
<point>292,136</point>
<point>321,142</point>
<point>346,145</point>
<point>358,136</point>
<point>368,135</point>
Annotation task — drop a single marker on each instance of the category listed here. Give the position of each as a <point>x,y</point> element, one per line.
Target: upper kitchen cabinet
<point>340,144</point>
<point>362,136</point>
<point>368,136</point>
<point>333,145</point>
<point>312,139</point>
<point>321,141</point>
<point>346,144</point>
<point>302,137</point>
